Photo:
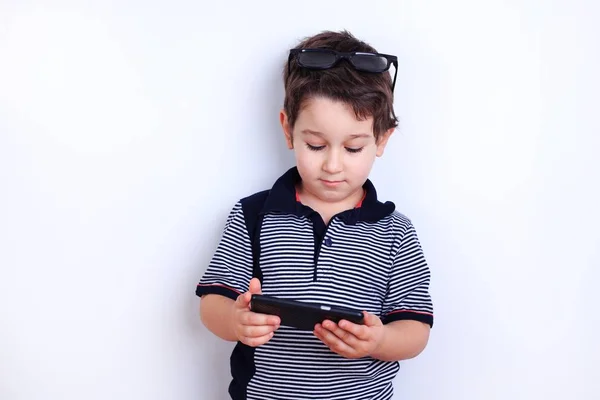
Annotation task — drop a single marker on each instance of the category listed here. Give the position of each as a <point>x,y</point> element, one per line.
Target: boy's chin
<point>330,195</point>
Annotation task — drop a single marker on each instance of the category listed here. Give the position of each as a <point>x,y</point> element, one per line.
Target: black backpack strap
<point>252,207</point>
<point>257,272</point>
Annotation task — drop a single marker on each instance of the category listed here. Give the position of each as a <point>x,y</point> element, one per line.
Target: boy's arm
<point>216,313</point>
<point>402,340</point>
<point>407,314</point>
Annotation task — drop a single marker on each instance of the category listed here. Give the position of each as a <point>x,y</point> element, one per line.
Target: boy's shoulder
<point>253,204</point>
<point>251,208</point>
<point>255,200</point>
<point>400,219</point>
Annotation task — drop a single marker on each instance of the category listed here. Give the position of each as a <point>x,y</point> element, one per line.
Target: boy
<point>320,235</point>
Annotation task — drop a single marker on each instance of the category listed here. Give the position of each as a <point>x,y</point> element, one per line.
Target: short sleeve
<point>408,288</point>
<point>230,269</point>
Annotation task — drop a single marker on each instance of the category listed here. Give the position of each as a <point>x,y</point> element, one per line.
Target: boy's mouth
<point>331,183</point>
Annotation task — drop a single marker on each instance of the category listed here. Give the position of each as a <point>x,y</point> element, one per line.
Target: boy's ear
<point>382,141</point>
<point>287,131</point>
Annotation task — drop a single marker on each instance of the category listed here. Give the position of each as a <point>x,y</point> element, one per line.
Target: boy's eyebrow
<point>317,133</point>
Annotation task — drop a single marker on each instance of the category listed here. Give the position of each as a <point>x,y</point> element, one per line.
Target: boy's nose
<point>333,163</point>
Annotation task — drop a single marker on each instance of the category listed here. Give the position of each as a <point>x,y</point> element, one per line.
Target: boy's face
<point>334,151</point>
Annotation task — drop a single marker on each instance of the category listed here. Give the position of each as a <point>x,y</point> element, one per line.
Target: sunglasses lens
<point>316,59</point>
<point>372,63</point>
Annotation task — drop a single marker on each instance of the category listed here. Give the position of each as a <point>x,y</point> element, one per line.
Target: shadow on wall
<point>279,154</point>
<point>214,353</point>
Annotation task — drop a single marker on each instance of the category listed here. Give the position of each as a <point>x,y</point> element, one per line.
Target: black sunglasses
<point>361,61</point>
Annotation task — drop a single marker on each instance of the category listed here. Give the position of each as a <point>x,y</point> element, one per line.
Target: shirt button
<point>328,242</point>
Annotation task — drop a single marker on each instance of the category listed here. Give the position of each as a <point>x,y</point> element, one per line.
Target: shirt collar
<point>282,199</point>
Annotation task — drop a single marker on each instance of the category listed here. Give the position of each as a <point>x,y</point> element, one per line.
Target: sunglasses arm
<point>395,75</point>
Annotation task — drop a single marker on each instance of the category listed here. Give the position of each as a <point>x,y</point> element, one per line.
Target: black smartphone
<point>302,315</point>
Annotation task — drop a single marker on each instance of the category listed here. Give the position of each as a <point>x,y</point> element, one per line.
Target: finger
<point>361,332</point>
<point>257,341</point>
<point>252,318</point>
<point>344,335</point>
<point>254,286</point>
<point>372,319</point>
<point>333,342</point>
<point>253,331</point>
<point>317,333</point>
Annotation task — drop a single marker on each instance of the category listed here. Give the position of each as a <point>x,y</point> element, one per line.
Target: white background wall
<point>128,130</point>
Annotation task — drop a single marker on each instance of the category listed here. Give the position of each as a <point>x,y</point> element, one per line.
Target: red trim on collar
<point>359,205</point>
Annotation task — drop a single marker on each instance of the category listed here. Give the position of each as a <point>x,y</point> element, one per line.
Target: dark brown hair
<point>369,94</point>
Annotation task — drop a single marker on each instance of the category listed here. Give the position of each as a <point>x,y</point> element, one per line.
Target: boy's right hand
<point>251,328</point>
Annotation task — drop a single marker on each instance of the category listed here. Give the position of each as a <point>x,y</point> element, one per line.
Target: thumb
<point>254,287</point>
<point>243,300</point>
<point>371,319</point>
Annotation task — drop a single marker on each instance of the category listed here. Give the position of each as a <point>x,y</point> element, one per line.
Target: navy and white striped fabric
<point>368,258</point>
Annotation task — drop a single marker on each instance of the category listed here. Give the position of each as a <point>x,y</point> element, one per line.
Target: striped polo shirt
<point>368,258</point>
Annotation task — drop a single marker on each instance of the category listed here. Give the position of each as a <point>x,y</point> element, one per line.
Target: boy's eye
<point>314,148</point>
<point>348,149</point>
<point>354,150</point>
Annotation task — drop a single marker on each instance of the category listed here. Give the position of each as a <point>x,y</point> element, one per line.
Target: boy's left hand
<point>352,340</point>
